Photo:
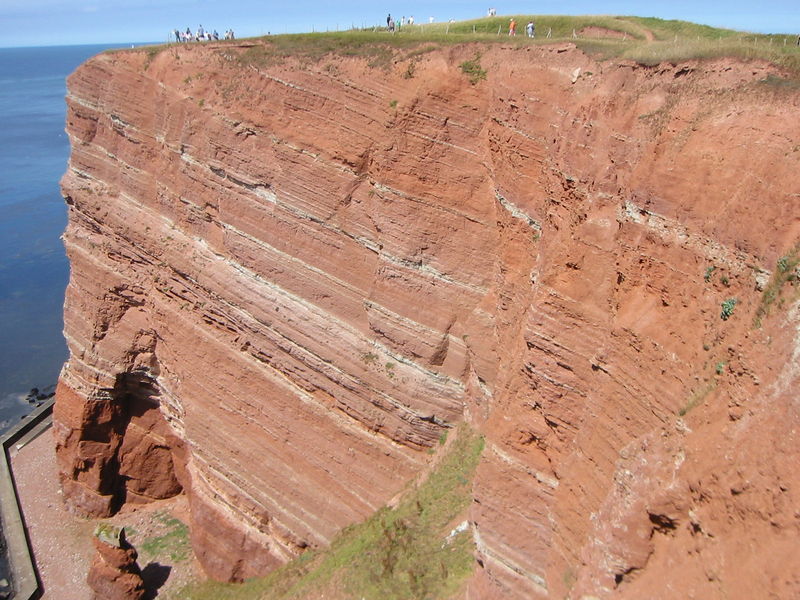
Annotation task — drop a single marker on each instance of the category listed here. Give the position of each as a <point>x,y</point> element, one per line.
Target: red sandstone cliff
<point>288,280</point>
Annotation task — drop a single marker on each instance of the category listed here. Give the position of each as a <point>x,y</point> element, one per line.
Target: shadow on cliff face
<point>154,575</point>
<point>144,465</point>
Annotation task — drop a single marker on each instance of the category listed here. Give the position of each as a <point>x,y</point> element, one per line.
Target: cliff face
<point>288,281</point>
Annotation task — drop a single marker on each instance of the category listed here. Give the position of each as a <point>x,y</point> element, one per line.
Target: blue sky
<point>57,22</point>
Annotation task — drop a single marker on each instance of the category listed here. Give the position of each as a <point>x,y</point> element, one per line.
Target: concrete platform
<point>25,580</point>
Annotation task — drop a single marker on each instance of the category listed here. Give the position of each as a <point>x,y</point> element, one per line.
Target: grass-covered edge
<point>646,40</point>
<point>412,551</point>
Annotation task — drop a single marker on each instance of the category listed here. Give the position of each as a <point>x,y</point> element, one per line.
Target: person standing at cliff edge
<point>530,29</point>
<point>512,27</point>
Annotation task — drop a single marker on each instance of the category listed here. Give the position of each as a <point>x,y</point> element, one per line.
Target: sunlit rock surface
<point>289,279</point>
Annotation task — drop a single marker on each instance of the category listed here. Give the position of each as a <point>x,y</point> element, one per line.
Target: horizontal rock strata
<point>289,279</point>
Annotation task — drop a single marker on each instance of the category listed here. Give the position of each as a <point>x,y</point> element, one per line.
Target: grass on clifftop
<point>645,40</point>
<point>402,553</point>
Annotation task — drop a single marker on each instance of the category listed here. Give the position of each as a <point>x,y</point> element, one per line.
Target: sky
<point>67,22</point>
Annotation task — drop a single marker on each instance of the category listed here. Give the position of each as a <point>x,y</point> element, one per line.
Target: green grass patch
<point>472,69</point>
<point>557,27</point>
<point>669,29</point>
<point>376,47</point>
<point>645,40</point>
<point>727,308</point>
<point>786,272</point>
<point>174,543</point>
<point>399,553</point>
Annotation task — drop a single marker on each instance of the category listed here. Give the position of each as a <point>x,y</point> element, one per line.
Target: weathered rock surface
<point>287,280</point>
<point>114,573</point>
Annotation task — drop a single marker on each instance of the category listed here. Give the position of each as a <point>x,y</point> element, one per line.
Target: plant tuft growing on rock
<point>472,69</point>
<point>727,308</point>
<point>786,272</point>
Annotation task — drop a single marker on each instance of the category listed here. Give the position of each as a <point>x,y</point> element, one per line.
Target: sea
<point>33,267</point>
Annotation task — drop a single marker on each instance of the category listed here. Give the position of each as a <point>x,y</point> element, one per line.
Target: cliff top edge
<point>645,40</point>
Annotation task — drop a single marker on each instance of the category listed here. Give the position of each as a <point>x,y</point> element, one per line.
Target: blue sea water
<point>33,267</point>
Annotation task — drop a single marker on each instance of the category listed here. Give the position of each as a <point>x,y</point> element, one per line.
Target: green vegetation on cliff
<point>415,550</point>
<point>787,271</point>
<point>645,40</point>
